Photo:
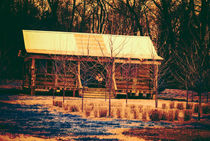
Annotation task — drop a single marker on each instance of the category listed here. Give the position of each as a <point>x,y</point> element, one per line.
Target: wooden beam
<point>93,59</point>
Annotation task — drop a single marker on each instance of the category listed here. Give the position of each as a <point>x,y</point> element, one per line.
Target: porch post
<point>156,84</point>
<point>33,77</point>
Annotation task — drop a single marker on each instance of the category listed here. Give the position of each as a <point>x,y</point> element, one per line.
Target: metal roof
<point>89,44</point>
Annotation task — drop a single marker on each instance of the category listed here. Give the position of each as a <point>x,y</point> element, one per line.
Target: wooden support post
<point>33,77</point>
<point>79,78</point>
<point>156,84</point>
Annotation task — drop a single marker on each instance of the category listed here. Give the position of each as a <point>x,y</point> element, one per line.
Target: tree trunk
<point>199,109</point>
<point>53,91</point>
<point>110,87</point>
<point>156,99</point>
<point>82,100</point>
<point>187,98</point>
<point>72,15</point>
<point>63,95</point>
<point>156,85</point>
<point>192,96</point>
<point>126,97</point>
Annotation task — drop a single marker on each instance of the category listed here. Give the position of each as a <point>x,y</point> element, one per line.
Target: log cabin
<point>88,64</point>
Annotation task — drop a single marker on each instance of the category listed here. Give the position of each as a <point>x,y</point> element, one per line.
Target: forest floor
<point>25,117</point>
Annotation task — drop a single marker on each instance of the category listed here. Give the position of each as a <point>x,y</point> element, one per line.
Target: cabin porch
<point>90,77</point>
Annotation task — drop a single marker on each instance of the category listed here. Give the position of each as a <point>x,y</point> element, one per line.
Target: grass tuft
<point>73,108</point>
<point>135,114</point>
<point>119,113</point>
<point>155,115</point>
<point>102,112</point>
<point>126,113</point>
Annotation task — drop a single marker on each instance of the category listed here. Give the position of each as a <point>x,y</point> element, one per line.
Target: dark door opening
<point>93,75</point>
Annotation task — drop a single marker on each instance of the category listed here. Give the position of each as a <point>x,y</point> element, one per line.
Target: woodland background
<point>178,29</point>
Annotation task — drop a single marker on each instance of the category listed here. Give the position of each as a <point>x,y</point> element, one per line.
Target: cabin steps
<point>101,93</point>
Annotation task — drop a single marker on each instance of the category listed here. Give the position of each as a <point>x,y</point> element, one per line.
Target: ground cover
<point>26,117</point>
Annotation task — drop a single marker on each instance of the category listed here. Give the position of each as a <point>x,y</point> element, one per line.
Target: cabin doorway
<point>93,75</point>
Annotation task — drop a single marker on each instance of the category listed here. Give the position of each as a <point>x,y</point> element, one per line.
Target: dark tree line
<point>179,30</point>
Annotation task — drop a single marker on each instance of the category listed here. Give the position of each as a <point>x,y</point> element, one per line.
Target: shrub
<point>170,116</point>
<point>163,106</point>
<point>118,113</point>
<point>180,106</point>
<point>154,115</point>
<point>189,106</point>
<point>172,105</point>
<point>187,115</point>
<point>206,109</point>
<point>102,112</point>
<point>196,108</point>
<point>176,115</point>
<point>73,108</point>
